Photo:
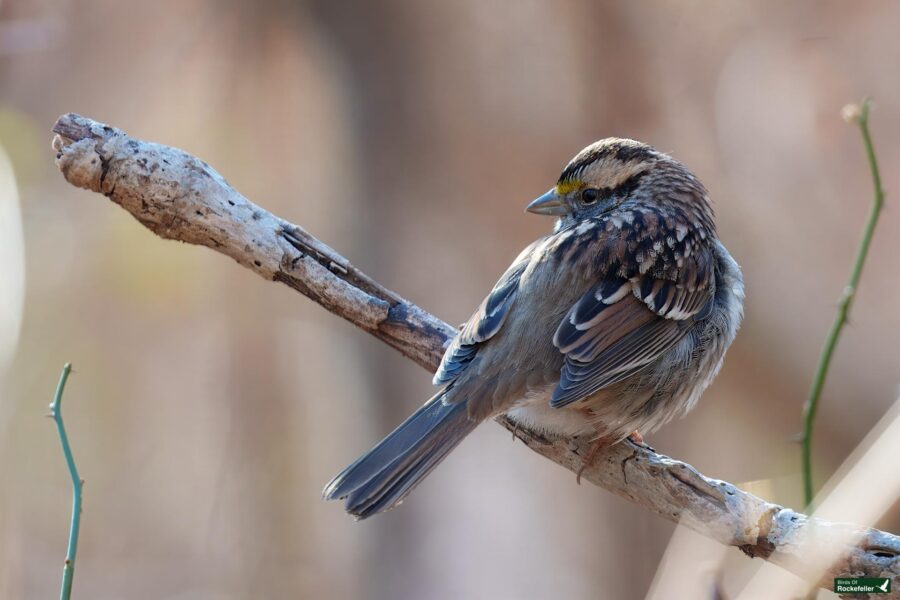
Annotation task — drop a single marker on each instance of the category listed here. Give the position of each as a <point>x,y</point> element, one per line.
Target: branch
<point>77,485</point>
<point>859,115</point>
<point>178,196</point>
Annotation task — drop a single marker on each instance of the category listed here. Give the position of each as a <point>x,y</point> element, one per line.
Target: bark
<point>180,197</point>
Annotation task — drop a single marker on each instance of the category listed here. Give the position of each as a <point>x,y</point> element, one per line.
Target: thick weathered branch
<point>180,197</point>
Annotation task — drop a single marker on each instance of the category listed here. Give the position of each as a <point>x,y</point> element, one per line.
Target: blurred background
<point>209,407</point>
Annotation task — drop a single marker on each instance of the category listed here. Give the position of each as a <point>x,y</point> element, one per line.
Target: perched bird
<point>614,323</point>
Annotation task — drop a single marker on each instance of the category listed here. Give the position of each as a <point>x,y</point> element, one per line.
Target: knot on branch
<point>80,150</point>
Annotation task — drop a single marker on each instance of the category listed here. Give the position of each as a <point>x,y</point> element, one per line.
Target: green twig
<point>77,483</point>
<point>860,116</point>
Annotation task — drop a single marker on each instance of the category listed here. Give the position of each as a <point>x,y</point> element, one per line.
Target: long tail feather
<point>381,478</point>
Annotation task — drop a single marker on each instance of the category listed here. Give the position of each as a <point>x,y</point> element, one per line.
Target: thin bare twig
<point>77,485</point>
<point>860,116</point>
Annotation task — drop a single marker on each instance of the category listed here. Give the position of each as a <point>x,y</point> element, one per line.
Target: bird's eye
<point>590,195</point>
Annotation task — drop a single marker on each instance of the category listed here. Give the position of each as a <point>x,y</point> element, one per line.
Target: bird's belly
<point>534,413</point>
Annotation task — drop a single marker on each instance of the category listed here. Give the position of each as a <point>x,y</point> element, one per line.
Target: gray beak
<point>549,204</point>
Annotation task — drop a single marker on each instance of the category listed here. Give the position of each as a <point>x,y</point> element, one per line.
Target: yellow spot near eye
<point>567,187</point>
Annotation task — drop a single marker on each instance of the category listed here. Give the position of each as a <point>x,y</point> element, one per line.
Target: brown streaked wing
<point>626,322</point>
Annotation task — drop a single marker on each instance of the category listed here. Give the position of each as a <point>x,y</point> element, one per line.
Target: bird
<point>609,326</point>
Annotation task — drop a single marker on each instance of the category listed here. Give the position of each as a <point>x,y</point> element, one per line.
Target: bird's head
<point>620,173</point>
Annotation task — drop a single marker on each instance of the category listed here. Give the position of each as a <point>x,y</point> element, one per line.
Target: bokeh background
<point>209,407</point>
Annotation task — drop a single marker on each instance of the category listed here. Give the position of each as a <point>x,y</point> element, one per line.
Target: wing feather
<point>484,323</point>
<point>631,316</point>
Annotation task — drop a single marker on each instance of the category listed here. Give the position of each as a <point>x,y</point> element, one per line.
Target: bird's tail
<point>383,476</point>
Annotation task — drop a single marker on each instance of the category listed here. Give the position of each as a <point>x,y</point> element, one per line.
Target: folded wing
<point>630,318</point>
<point>484,323</point>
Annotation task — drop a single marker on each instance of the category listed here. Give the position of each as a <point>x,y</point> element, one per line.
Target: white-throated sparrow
<point>615,322</point>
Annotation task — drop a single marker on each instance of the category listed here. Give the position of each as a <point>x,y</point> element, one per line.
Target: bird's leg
<point>637,439</point>
<point>599,444</point>
<point>602,441</point>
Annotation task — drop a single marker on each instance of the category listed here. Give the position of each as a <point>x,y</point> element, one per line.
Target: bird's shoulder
<point>634,242</point>
<point>654,255</point>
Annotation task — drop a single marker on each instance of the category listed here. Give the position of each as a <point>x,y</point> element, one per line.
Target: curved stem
<point>77,483</point>
<point>846,301</point>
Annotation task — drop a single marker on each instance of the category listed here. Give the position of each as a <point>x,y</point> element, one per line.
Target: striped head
<point>621,175</point>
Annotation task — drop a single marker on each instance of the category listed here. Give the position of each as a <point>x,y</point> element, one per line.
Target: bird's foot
<point>604,442</point>
<point>598,445</point>
<point>638,440</point>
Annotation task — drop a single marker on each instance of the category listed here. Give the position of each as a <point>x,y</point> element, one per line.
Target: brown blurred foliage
<point>208,408</point>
